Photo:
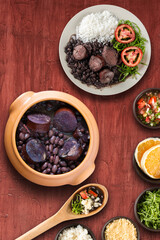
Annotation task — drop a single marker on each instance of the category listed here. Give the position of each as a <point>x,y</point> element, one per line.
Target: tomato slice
<point>124,33</point>
<point>131,56</point>
<point>92,193</point>
<point>84,194</point>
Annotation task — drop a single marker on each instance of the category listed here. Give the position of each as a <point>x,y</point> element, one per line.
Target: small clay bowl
<point>75,225</point>
<point>135,107</point>
<point>115,218</point>
<point>138,200</point>
<point>17,110</point>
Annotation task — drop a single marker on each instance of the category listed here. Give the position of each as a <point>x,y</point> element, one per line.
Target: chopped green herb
<point>77,207</point>
<point>148,209</point>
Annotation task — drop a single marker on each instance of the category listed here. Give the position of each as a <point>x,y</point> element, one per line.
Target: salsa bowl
<point>146,108</point>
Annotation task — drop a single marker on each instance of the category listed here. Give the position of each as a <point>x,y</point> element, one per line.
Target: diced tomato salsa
<point>148,108</point>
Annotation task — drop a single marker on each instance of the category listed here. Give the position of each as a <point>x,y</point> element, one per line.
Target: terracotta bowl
<point>17,110</point>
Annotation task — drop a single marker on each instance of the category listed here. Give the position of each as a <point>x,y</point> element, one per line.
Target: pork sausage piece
<point>79,52</point>
<point>106,76</point>
<point>96,63</point>
<point>110,56</point>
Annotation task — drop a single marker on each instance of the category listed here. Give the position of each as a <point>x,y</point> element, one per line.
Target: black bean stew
<point>52,137</point>
<point>93,63</point>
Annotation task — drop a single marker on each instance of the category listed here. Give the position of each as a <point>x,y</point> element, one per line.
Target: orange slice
<point>143,146</point>
<point>151,162</point>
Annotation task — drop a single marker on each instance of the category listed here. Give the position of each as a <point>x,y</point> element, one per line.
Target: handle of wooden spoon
<point>44,226</point>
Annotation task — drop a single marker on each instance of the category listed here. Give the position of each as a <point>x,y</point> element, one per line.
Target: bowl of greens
<point>147,209</point>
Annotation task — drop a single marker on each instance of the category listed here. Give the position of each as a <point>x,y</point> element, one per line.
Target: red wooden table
<point>29,38</point>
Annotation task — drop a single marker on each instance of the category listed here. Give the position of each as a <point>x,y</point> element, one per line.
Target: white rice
<point>98,26</point>
<point>75,233</point>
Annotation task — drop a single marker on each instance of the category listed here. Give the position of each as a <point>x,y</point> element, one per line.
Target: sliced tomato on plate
<point>131,56</point>
<point>124,33</point>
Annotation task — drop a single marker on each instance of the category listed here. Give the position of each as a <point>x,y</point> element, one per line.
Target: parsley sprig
<point>77,207</point>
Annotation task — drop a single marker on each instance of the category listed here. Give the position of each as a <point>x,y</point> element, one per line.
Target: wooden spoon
<point>64,214</point>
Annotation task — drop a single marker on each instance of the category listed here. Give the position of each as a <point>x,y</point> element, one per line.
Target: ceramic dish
<point>119,217</point>
<point>121,13</point>
<point>135,106</point>
<point>75,176</point>
<point>139,198</point>
<point>144,176</point>
<point>75,225</point>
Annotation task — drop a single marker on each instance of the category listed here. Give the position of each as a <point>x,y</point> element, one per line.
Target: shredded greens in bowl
<point>148,209</point>
<point>138,42</point>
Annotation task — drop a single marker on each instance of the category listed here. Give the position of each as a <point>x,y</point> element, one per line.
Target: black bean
<point>51,159</point>
<point>47,142</point>
<point>64,169</point>
<point>55,151</point>
<point>20,143</point>
<point>44,166</point>
<point>26,136</point>
<point>50,147</point>
<point>50,133</point>
<point>19,148</point>
<point>49,165</point>
<point>54,168</point>
<point>56,160</point>
<point>52,139</point>
<point>47,147</point>
<point>61,142</point>
<point>48,170</point>
<point>59,170</point>
<point>56,140</point>
<point>21,136</point>
<point>60,135</point>
<point>63,163</point>
<point>44,171</point>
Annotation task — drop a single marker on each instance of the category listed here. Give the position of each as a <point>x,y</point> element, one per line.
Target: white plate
<point>70,29</point>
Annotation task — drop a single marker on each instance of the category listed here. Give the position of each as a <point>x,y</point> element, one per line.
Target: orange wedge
<point>150,162</point>
<point>143,146</point>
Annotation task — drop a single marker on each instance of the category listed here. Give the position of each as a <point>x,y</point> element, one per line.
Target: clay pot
<point>17,110</point>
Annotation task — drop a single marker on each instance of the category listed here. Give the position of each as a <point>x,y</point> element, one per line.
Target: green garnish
<point>138,42</point>
<point>77,207</point>
<point>148,209</point>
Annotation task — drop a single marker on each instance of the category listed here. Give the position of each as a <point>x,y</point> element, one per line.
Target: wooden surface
<point>29,37</point>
